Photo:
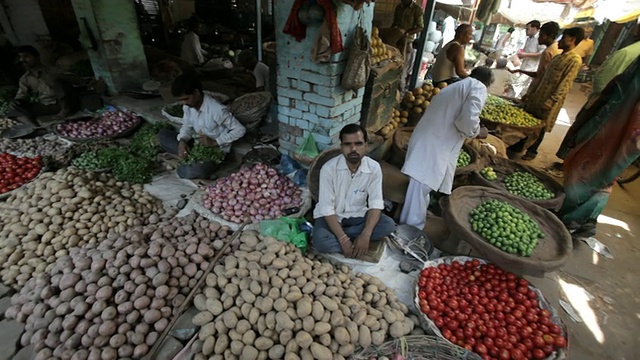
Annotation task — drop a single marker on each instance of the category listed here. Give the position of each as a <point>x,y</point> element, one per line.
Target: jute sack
<point>551,253</point>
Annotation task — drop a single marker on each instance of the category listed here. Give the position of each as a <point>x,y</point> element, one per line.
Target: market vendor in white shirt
<point>453,116</point>
<point>205,120</point>
<point>349,210</point>
<point>191,50</point>
<point>259,69</point>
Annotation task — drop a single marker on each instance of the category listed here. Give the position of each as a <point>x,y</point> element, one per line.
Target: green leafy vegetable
<point>175,110</point>
<point>124,165</point>
<point>201,153</point>
<point>145,141</point>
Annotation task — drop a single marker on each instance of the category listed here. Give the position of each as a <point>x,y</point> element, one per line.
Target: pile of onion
<point>254,194</point>
<point>109,123</point>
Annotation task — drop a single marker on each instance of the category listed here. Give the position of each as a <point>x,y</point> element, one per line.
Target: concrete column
<point>310,98</point>
<point>118,56</point>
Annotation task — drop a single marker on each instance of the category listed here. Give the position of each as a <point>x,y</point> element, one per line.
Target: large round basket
<point>222,98</point>
<point>250,108</point>
<point>430,326</point>
<point>313,177</point>
<point>400,145</point>
<point>551,252</point>
<point>417,347</point>
<point>401,139</point>
<point>505,167</point>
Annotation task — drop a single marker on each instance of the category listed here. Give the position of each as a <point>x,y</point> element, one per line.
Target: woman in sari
<point>604,141</point>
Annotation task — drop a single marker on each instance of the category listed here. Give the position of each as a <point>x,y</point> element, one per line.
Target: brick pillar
<point>119,56</point>
<point>310,98</point>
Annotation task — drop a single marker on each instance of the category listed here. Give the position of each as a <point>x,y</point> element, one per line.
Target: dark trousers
<point>28,113</point>
<point>168,140</point>
<point>533,149</point>
<point>324,241</point>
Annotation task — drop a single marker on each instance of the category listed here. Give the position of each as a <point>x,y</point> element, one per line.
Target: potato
<point>151,316</point>
<point>303,339</point>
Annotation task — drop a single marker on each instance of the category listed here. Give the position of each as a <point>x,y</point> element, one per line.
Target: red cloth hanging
<point>293,26</point>
<point>298,30</point>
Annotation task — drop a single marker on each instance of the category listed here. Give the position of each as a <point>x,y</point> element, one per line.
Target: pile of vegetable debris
<point>133,164</point>
<point>62,210</point>
<point>268,301</point>
<point>112,300</point>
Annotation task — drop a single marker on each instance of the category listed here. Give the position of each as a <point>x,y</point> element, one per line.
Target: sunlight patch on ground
<point>579,299</point>
<point>604,219</point>
<point>563,118</point>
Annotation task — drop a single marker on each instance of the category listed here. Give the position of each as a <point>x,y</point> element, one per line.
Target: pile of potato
<point>399,119</point>
<point>269,301</point>
<point>58,211</point>
<point>6,123</point>
<point>379,51</point>
<point>419,99</point>
<point>112,300</point>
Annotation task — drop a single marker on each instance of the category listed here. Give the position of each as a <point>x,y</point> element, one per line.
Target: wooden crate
<point>380,97</point>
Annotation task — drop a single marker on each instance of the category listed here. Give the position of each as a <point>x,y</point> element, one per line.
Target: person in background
<point>605,143</point>
<point>191,50</point>
<point>349,210</point>
<point>260,71</point>
<point>530,55</point>
<point>502,42</point>
<point>41,91</point>
<point>613,66</point>
<point>502,86</point>
<point>547,37</point>
<point>586,47</point>
<point>408,18</point>
<point>436,142</point>
<point>449,66</point>
<point>546,100</point>
<point>205,120</point>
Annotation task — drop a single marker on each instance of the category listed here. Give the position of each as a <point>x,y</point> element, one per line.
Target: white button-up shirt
<point>191,50</point>
<point>531,46</point>
<point>214,121</point>
<point>349,196</point>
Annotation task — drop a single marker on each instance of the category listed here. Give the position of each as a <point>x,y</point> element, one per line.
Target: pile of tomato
<point>489,311</point>
<point>15,171</point>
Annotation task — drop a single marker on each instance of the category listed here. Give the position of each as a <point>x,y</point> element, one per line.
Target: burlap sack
<point>313,176</point>
<point>506,167</point>
<point>491,146</point>
<point>511,134</point>
<point>550,254</point>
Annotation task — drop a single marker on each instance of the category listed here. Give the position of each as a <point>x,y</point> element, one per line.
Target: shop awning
<point>620,11</point>
<point>522,11</point>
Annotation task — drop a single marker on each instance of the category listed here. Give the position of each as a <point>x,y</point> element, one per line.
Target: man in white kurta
<point>191,50</point>
<point>205,120</point>
<point>437,139</point>
<point>348,214</point>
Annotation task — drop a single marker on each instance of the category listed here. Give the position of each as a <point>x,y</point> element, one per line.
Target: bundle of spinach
<point>124,165</point>
<point>145,141</point>
<point>175,110</point>
<point>200,153</point>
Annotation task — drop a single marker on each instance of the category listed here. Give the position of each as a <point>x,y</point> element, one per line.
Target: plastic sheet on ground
<point>387,270</point>
<point>169,188</point>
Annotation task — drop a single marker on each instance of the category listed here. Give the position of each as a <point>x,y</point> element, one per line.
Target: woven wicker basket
<point>313,177</point>
<point>417,347</point>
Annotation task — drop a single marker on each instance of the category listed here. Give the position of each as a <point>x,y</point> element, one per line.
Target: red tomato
<point>560,342</point>
<point>555,329</point>
<point>503,354</point>
<point>538,341</point>
<point>481,349</point>
<point>538,354</point>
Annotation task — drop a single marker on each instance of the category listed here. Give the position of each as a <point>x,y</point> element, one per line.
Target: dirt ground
<point>601,290</point>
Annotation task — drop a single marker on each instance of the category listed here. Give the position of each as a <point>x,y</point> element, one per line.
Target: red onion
<point>109,123</point>
<point>252,194</point>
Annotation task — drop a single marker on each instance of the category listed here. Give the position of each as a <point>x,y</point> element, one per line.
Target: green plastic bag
<point>285,229</point>
<point>308,147</point>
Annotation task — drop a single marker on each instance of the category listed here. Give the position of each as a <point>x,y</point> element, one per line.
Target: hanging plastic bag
<point>358,66</point>
<point>286,229</point>
<point>307,151</point>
